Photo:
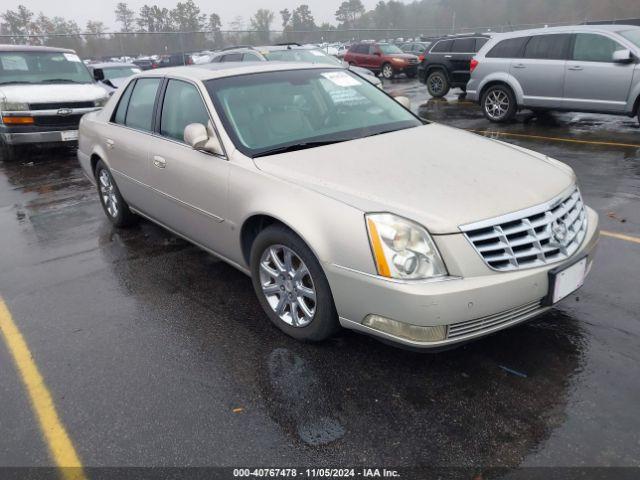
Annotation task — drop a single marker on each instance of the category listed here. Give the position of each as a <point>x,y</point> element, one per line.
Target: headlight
<point>396,59</point>
<point>101,102</point>
<point>403,249</point>
<point>14,106</point>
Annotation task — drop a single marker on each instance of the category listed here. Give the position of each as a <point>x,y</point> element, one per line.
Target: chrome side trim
<point>171,197</point>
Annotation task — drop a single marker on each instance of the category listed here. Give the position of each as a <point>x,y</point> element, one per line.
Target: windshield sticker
<point>317,53</point>
<point>341,79</point>
<point>14,63</point>
<point>72,57</point>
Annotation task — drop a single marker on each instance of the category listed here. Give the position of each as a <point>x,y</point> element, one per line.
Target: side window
<point>548,47</point>
<point>182,105</point>
<point>232,57</point>
<point>594,48</point>
<point>250,57</point>
<point>360,49</point>
<point>140,111</point>
<point>464,45</point>
<point>121,110</point>
<point>510,48</point>
<point>480,43</point>
<point>442,46</point>
<point>372,49</point>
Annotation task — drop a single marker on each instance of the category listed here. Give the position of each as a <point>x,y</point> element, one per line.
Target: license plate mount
<point>69,135</point>
<point>565,280</point>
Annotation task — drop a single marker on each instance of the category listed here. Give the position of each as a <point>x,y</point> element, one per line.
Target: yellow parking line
<point>555,139</point>
<point>620,236</point>
<point>55,435</point>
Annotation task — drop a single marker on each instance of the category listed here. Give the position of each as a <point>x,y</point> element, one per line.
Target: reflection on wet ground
<point>156,353</point>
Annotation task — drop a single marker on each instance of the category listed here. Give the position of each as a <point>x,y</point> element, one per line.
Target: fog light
<point>404,330</point>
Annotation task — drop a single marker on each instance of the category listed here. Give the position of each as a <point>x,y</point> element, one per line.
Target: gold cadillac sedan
<point>343,207</point>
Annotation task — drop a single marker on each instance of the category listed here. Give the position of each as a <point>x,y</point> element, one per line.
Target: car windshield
<point>389,49</point>
<point>632,36</point>
<point>119,72</point>
<point>271,112</point>
<point>302,55</point>
<point>42,67</point>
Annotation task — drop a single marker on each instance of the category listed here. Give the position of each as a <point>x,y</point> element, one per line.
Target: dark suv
<point>384,58</point>
<point>447,64</point>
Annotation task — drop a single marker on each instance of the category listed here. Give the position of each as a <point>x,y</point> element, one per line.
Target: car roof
<point>111,65</point>
<point>569,28</point>
<point>31,48</point>
<point>209,71</point>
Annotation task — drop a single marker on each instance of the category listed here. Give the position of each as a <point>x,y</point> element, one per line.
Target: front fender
<point>334,231</point>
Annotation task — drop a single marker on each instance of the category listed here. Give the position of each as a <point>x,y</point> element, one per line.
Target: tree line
<point>139,31</point>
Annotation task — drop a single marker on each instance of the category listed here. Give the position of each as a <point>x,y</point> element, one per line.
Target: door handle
<point>159,162</point>
<point>110,143</point>
<point>519,65</point>
<point>448,56</point>
<point>575,68</point>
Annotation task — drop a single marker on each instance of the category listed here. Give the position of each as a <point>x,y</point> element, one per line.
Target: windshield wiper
<point>60,80</point>
<point>298,146</point>
<point>14,82</point>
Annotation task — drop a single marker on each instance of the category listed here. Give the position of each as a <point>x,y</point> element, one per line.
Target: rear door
<point>541,70</point>
<point>440,54</point>
<point>462,51</point>
<point>127,140</point>
<point>190,186</point>
<point>593,80</point>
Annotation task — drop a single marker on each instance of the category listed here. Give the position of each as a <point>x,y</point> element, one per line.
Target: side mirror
<point>202,138</point>
<point>98,74</point>
<point>623,56</point>
<point>404,101</point>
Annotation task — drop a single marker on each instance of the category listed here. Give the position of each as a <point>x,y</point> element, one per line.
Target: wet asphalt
<point>157,354</point>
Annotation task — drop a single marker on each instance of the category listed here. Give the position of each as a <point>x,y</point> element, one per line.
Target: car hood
<point>51,93</point>
<point>407,56</point>
<point>438,176</point>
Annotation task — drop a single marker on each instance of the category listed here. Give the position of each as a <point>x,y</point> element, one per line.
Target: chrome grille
<point>492,321</point>
<point>531,238</point>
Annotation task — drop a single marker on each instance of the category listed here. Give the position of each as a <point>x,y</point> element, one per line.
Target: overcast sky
<point>83,10</point>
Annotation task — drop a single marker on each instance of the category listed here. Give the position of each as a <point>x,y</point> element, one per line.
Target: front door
<point>190,185</point>
<point>593,81</point>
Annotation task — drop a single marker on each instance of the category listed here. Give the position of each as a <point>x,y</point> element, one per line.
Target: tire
<point>114,206</point>
<point>499,104</point>
<point>438,84</point>
<point>387,71</point>
<point>277,285</point>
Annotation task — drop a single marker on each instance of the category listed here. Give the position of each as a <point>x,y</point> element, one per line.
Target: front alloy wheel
<point>113,204</point>
<point>108,194</point>
<point>287,285</point>
<point>387,71</point>
<point>291,285</point>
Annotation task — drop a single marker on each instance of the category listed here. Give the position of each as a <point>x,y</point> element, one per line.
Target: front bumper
<point>468,307</point>
<point>46,136</point>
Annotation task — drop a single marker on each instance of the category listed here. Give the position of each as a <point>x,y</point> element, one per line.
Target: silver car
<point>593,68</point>
<point>317,185</point>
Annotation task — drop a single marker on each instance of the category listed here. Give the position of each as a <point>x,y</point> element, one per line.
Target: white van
<point>43,93</point>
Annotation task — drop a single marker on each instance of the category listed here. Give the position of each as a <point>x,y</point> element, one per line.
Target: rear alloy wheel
<point>499,104</point>
<point>438,84</point>
<point>387,71</point>
<point>291,286</point>
<point>113,204</point>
